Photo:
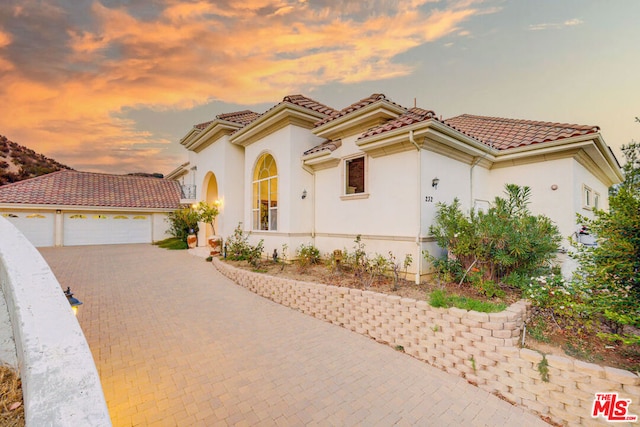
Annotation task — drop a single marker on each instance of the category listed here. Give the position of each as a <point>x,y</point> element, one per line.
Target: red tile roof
<point>73,188</point>
<point>327,145</point>
<point>355,106</point>
<point>243,117</point>
<point>308,103</point>
<point>414,115</point>
<point>503,134</point>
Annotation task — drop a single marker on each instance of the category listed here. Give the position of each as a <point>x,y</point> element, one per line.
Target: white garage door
<point>106,228</point>
<point>36,226</point>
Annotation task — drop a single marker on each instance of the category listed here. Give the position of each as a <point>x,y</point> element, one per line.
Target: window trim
<point>343,182</point>
<point>270,208</point>
<point>587,197</point>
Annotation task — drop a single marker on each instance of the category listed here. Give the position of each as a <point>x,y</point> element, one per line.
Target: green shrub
<point>239,249</point>
<point>505,239</point>
<point>182,221</point>
<point>307,255</point>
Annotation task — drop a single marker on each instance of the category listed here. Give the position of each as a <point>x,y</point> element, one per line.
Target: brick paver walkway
<point>178,344</point>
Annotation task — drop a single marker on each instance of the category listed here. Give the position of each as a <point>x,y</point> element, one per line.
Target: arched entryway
<point>211,196</point>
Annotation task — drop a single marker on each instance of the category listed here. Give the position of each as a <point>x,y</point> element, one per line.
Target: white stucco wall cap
<point>60,382</point>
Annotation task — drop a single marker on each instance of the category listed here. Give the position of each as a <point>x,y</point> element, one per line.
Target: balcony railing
<point>188,191</point>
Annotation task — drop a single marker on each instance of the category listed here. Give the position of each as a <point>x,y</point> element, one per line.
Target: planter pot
<point>215,243</point>
<point>192,241</point>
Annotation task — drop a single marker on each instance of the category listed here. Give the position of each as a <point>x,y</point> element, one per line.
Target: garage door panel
<point>106,228</point>
<point>36,226</point>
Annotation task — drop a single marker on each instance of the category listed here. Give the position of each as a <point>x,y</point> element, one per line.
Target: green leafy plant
<point>611,270</point>
<point>543,369</point>
<point>439,298</point>
<point>473,363</point>
<point>505,239</point>
<point>239,249</point>
<point>307,255</point>
<point>207,213</point>
<point>182,222</point>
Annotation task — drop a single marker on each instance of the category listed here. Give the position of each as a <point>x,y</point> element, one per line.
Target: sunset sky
<point>112,85</point>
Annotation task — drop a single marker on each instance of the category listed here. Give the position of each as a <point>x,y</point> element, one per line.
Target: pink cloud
<point>190,53</point>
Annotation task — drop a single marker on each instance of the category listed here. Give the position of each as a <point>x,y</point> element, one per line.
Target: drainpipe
<point>475,162</point>
<point>419,252</point>
<point>313,202</point>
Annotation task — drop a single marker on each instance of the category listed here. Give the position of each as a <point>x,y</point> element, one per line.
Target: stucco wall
<point>226,162</point>
<point>60,382</point>
<point>481,347</point>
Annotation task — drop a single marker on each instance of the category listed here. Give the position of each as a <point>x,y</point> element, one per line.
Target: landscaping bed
<point>543,333</point>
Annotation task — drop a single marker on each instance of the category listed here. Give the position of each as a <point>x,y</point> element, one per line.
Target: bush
<point>239,249</point>
<point>612,268</point>
<point>505,239</point>
<point>182,222</point>
<point>307,255</point>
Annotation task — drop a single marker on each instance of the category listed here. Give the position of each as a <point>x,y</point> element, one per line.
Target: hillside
<point>18,162</point>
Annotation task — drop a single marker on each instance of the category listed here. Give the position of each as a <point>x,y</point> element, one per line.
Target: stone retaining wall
<point>481,347</point>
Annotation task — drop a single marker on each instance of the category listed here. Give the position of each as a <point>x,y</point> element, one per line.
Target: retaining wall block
<point>477,316</point>
<point>621,376</point>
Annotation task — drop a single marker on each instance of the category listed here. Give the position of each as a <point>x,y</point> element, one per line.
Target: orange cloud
<point>185,54</point>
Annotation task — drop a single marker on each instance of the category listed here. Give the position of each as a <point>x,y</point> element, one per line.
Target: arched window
<point>265,194</point>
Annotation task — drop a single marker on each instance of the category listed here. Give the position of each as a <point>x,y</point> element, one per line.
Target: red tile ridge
<point>375,97</point>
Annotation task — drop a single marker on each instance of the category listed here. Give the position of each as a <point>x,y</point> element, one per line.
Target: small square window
<point>354,176</point>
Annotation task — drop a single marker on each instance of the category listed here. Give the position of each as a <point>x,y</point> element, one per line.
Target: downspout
<point>313,202</point>
<point>475,163</point>
<point>419,251</point>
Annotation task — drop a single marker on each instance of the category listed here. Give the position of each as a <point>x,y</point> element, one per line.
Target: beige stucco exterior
<point>399,203</point>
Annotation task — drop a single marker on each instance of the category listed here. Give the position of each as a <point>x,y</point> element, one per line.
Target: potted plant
<point>207,213</point>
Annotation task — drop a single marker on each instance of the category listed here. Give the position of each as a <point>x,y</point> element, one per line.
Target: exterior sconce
<point>218,203</point>
<point>554,187</point>
<point>434,182</point>
<point>304,194</point>
<point>74,302</point>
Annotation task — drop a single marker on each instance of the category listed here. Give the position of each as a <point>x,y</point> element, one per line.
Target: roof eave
<point>268,122</point>
<point>75,208</point>
<point>378,111</point>
<point>592,144</point>
<point>211,133</point>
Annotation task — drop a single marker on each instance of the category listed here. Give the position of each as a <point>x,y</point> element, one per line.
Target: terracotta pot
<point>215,243</point>
<point>192,241</point>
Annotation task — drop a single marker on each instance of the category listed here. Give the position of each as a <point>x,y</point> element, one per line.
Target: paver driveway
<point>178,344</point>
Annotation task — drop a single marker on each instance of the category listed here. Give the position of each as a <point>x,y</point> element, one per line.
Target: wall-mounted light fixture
<point>554,187</point>
<point>434,182</point>
<point>74,302</point>
<point>304,194</point>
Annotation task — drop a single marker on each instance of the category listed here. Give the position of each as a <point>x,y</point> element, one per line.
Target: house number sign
<point>428,199</point>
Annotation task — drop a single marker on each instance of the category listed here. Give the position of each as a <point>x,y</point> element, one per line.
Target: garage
<point>106,228</point>
<point>36,226</point>
<point>72,208</point>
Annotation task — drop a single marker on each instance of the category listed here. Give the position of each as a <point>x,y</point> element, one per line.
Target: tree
<point>612,269</point>
<point>207,213</point>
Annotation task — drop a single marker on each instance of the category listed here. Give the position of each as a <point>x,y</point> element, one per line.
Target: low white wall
<point>60,382</point>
